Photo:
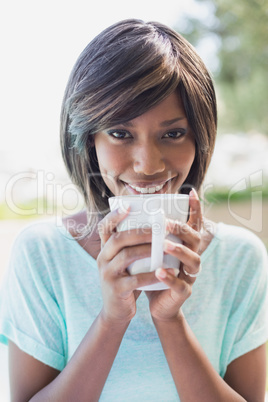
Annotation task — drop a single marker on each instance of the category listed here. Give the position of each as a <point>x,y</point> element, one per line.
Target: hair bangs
<point>126,86</point>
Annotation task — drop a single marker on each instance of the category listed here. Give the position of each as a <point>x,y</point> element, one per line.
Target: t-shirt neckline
<point>62,228</point>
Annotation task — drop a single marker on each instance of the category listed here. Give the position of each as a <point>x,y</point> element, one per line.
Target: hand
<point>166,304</point>
<point>119,250</point>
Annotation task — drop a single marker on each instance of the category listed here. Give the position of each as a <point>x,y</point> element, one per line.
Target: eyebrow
<point>169,122</point>
<point>164,123</point>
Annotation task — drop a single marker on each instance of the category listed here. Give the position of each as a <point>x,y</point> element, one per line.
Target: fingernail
<point>169,246</point>
<point>193,194</point>
<point>123,209</point>
<point>172,271</point>
<point>161,273</point>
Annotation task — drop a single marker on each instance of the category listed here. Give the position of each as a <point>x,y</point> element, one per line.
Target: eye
<point>174,134</point>
<point>119,134</point>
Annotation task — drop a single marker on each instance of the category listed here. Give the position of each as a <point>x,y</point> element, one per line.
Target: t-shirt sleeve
<point>247,326</point>
<point>29,313</point>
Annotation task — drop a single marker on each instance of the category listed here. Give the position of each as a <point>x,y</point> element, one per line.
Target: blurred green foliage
<point>8,213</point>
<point>223,194</point>
<point>30,209</point>
<point>240,30</point>
<point>37,208</point>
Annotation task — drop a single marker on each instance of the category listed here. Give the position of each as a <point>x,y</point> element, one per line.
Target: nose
<point>148,159</point>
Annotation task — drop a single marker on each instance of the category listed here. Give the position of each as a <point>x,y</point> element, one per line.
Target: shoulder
<point>39,232</point>
<point>39,243</point>
<point>235,256</point>
<point>238,239</point>
<point>240,253</point>
<point>42,257</point>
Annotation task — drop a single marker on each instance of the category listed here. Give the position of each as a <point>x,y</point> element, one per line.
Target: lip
<point>148,185</point>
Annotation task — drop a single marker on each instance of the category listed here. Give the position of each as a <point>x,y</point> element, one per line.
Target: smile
<point>147,190</point>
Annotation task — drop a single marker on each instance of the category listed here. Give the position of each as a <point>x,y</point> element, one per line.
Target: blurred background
<point>40,42</point>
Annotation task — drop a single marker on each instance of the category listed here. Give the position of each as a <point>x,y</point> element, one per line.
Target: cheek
<point>183,159</point>
<point>111,160</point>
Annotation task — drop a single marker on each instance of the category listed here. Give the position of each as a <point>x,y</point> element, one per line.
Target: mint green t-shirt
<point>51,296</point>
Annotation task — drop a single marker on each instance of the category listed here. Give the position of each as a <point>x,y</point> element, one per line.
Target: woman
<point>138,115</point>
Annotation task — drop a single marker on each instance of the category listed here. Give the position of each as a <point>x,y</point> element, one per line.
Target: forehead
<point>167,112</point>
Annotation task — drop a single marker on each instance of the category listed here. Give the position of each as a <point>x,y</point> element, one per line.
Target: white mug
<point>150,211</point>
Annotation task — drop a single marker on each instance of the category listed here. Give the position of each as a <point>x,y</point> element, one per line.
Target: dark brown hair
<point>126,70</point>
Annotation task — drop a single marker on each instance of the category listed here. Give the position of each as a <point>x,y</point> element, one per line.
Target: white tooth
<point>144,190</point>
<point>147,190</point>
<point>134,188</point>
<point>159,187</point>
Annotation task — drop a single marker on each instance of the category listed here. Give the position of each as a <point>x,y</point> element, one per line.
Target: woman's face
<point>152,153</point>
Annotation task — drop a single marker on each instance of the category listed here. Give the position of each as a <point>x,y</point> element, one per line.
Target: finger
<point>126,257</point>
<point>188,275</point>
<point>109,223</point>
<point>188,257</point>
<point>180,286</point>
<point>125,239</point>
<point>186,233</point>
<point>132,282</point>
<point>196,220</point>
